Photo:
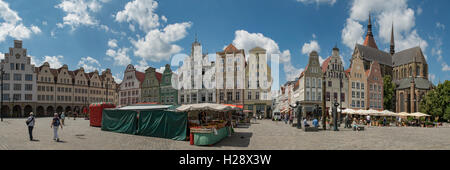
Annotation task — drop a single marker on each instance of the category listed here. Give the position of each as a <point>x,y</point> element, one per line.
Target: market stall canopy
<point>232,105</point>
<point>418,114</point>
<point>388,113</point>
<point>146,107</point>
<point>404,114</point>
<point>206,106</point>
<point>348,111</point>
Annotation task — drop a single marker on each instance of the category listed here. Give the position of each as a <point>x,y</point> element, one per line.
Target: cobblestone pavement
<point>265,134</point>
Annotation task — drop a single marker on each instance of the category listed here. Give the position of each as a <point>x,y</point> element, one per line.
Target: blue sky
<point>99,34</point>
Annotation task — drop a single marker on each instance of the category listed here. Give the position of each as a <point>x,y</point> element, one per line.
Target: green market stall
<point>208,123</point>
<point>146,120</point>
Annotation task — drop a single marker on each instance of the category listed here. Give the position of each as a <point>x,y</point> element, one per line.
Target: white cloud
<point>117,78</point>
<point>140,12</point>
<point>35,29</point>
<point>247,41</point>
<point>158,45</point>
<point>89,64</point>
<point>384,12</point>
<point>161,69</point>
<point>54,61</point>
<point>318,2</point>
<point>12,25</point>
<point>445,67</point>
<point>112,43</point>
<point>79,12</point>
<point>419,10</point>
<point>309,47</point>
<point>440,26</point>
<point>431,77</point>
<point>141,66</point>
<point>120,56</point>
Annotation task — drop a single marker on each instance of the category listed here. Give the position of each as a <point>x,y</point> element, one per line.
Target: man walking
<point>30,123</point>
<point>55,125</point>
<point>63,116</point>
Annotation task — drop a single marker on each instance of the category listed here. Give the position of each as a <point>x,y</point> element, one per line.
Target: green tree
<point>388,93</point>
<point>437,102</point>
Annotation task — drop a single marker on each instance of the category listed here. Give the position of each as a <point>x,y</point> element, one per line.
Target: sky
<point>100,34</point>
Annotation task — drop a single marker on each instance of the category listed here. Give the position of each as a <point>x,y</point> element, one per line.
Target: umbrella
<point>404,114</point>
<point>418,114</point>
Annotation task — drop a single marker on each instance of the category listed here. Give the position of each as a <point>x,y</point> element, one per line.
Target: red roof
<point>158,76</point>
<point>231,48</point>
<point>370,42</point>
<point>303,72</point>
<point>325,64</point>
<point>140,76</point>
<point>347,72</point>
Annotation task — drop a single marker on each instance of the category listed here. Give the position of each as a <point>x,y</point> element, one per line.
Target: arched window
<point>410,71</point>
<point>417,71</point>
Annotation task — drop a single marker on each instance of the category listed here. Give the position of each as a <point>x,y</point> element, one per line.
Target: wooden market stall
<point>208,123</point>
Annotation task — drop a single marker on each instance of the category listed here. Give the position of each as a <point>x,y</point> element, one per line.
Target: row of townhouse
<point>230,79</point>
<point>45,90</point>
<point>361,85</point>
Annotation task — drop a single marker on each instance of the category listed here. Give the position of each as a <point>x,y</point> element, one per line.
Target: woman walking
<point>55,125</point>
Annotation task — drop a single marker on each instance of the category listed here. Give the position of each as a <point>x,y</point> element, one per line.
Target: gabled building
<point>169,84</point>
<point>336,80</point>
<point>19,82</point>
<point>151,86</point>
<point>230,75</point>
<point>310,84</point>
<point>374,99</point>
<point>357,81</point>
<point>196,78</point>
<point>130,88</point>
<point>258,83</point>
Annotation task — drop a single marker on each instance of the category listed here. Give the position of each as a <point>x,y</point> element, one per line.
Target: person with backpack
<point>55,125</point>
<point>30,123</point>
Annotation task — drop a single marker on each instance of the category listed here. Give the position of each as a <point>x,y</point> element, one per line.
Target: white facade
<point>334,70</point>
<point>130,88</point>
<point>196,78</point>
<point>19,81</point>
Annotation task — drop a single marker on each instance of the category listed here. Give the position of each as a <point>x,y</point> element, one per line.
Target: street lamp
<point>335,127</point>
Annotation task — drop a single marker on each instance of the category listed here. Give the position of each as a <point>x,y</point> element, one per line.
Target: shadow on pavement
<point>238,139</point>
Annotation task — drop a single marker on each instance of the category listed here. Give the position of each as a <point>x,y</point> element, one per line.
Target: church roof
<point>370,42</point>
<point>408,56</point>
<point>420,83</point>
<point>373,54</point>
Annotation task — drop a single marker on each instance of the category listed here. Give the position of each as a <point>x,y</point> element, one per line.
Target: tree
<point>388,93</point>
<point>437,102</point>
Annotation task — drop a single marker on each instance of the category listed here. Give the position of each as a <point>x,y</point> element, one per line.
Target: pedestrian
<point>55,125</point>
<point>384,121</point>
<point>30,123</point>
<point>63,116</point>
<point>368,120</point>
<point>291,119</point>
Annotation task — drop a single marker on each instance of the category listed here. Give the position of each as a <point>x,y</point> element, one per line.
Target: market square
<point>262,135</point>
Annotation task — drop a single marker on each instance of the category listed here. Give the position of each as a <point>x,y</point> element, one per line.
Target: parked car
<point>276,116</point>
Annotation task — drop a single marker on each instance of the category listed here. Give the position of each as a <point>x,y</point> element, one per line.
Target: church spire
<point>392,40</point>
<point>369,26</point>
<point>370,41</point>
